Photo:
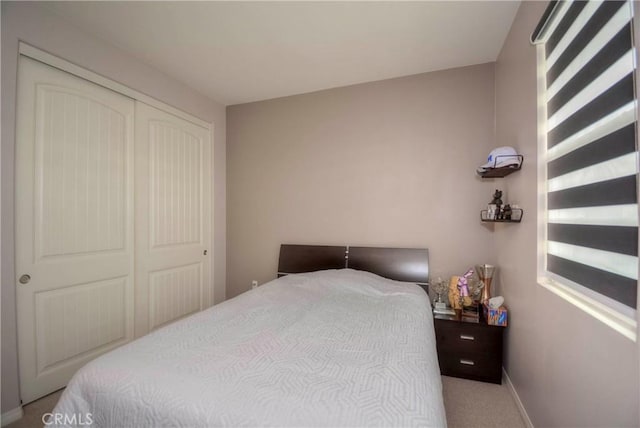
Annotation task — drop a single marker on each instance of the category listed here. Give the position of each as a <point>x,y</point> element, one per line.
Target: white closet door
<point>173,218</point>
<point>74,224</point>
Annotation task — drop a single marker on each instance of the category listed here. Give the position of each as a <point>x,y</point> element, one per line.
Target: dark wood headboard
<point>400,264</point>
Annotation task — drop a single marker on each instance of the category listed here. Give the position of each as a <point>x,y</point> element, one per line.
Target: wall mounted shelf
<point>501,172</point>
<point>516,216</point>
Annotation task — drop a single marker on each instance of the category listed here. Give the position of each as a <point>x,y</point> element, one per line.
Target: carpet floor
<point>479,405</point>
<point>468,404</point>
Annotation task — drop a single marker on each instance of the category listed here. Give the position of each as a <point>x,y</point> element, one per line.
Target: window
<point>588,158</point>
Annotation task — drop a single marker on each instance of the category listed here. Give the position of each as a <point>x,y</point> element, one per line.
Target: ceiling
<point>236,52</point>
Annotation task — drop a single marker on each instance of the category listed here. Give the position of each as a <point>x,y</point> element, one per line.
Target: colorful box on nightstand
<point>496,316</point>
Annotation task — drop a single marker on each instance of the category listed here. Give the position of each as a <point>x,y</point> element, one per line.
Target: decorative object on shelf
<point>465,290</point>
<point>491,212</point>
<point>470,313</point>
<point>456,300</point>
<point>497,198</point>
<point>475,288</point>
<point>501,162</point>
<point>485,273</point>
<point>495,312</point>
<point>506,213</point>
<point>454,294</point>
<point>494,206</point>
<point>439,286</point>
<point>496,302</point>
<point>440,309</point>
<point>463,284</point>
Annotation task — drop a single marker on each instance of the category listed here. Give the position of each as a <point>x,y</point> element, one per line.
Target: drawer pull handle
<point>467,362</point>
<point>467,337</point>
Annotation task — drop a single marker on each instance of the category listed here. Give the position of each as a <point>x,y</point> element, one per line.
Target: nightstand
<point>469,350</point>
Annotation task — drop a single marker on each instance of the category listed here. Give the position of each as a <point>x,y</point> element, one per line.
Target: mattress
<point>328,348</point>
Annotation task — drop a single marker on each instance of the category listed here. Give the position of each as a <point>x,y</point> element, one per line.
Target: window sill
<point>621,323</point>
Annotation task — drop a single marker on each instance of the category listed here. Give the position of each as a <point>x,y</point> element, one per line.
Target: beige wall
<point>568,368</point>
<point>388,163</point>
<point>33,24</point>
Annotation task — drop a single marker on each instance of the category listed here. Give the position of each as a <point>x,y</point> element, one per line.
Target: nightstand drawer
<point>482,367</point>
<point>468,338</point>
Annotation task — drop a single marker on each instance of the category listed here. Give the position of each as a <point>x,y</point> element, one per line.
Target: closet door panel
<point>80,163</point>
<point>175,173</point>
<point>173,218</point>
<point>74,224</point>
<point>174,293</point>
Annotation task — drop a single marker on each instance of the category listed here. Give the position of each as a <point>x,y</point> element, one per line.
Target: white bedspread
<point>329,348</point>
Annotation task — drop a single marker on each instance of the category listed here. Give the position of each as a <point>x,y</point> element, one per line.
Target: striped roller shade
<point>592,162</point>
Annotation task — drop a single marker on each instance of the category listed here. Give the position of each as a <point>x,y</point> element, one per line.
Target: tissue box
<point>496,316</point>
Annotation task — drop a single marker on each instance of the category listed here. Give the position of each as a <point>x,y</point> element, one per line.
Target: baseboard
<point>11,416</point>
<point>516,397</point>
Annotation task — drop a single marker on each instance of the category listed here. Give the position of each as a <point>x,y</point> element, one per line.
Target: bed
<point>344,337</point>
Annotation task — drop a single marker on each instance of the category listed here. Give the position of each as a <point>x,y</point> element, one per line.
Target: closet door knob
<point>24,279</point>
